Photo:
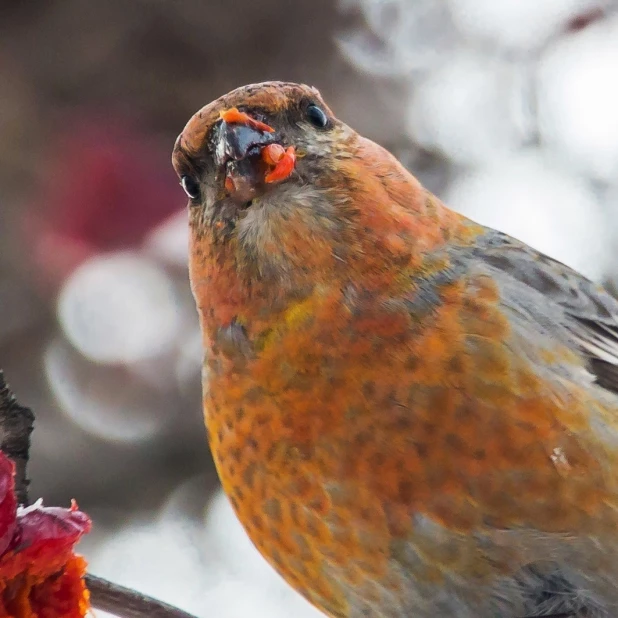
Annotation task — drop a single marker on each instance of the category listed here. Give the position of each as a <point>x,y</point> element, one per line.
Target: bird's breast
<point>342,422</point>
<point>286,405</point>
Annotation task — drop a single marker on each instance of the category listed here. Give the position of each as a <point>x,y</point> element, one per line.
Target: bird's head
<point>286,192</point>
<point>246,146</point>
<point>262,167</point>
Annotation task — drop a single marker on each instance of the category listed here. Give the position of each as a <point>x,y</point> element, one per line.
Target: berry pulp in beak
<point>248,152</point>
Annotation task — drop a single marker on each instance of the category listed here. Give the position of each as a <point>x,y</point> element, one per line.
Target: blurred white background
<point>505,108</point>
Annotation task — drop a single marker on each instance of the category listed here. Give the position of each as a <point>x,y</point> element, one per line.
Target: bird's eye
<point>316,116</point>
<point>191,187</point>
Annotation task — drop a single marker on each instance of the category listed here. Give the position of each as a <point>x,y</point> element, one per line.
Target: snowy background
<point>506,109</point>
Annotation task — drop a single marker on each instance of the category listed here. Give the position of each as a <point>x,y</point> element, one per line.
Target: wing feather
<point>589,312</point>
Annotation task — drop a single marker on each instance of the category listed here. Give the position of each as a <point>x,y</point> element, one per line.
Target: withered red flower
<point>40,576</point>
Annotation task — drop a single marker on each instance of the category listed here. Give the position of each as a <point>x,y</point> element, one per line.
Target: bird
<point>412,415</point>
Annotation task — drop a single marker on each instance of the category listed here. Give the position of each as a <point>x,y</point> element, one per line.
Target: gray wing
<point>589,312</point>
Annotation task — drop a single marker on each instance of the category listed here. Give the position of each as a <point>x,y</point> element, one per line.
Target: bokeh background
<point>507,109</point>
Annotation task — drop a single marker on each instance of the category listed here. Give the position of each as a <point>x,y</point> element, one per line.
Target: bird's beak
<point>250,155</point>
<point>240,136</point>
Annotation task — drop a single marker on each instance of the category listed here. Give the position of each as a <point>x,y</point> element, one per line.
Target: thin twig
<point>16,423</point>
<point>126,603</point>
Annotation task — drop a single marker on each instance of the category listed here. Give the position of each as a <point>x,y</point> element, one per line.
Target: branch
<point>126,603</point>
<point>16,424</point>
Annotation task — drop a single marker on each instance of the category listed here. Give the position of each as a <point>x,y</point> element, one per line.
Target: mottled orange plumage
<point>413,415</point>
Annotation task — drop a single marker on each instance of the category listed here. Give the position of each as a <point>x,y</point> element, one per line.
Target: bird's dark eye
<point>191,187</point>
<point>316,116</point>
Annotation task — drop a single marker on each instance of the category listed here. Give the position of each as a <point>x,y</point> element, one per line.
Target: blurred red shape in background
<point>105,185</point>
